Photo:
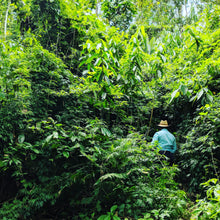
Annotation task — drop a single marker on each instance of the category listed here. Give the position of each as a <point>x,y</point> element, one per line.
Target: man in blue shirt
<point>165,141</point>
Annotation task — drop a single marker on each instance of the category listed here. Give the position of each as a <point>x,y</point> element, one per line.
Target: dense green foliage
<point>83,86</point>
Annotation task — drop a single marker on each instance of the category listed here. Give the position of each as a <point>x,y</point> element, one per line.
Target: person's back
<point>166,142</point>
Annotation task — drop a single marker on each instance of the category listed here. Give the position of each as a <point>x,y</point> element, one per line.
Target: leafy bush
<point>199,155</point>
<point>137,181</point>
<point>208,208</point>
<point>125,172</point>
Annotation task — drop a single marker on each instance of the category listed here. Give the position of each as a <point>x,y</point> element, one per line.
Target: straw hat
<point>163,123</point>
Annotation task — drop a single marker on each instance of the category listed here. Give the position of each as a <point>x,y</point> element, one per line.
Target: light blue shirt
<point>166,141</point>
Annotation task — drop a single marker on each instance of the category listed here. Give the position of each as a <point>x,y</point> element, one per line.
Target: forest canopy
<point>84,85</point>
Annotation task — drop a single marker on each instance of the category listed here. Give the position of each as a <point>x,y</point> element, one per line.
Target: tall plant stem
<point>151,116</point>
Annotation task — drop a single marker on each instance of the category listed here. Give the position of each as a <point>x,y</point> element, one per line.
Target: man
<point>165,141</point>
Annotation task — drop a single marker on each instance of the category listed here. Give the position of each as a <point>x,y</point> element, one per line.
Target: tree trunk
<point>97,7</point>
<point>6,19</point>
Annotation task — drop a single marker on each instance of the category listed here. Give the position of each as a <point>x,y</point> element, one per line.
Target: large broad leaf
<point>199,94</point>
<point>175,94</point>
<point>113,208</point>
<point>104,217</point>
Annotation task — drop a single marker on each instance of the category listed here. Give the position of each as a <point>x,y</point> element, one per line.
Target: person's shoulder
<point>167,131</point>
<point>171,134</point>
<point>159,132</point>
<point>156,132</point>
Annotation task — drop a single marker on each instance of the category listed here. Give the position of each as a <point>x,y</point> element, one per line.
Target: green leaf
<point>66,154</point>
<point>106,132</point>
<point>55,134</point>
<point>38,125</point>
<point>147,215</point>
<point>104,95</point>
<point>184,89</point>
<point>143,31</point>
<point>36,150</point>
<point>159,73</point>
<point>175,94</point>
<point>134,40</point>
<point>107,80</point>
<point>91,58</point>
<point>33,156</point>
<point>81,63</point>
<point>209,97</point>
<point>49,138</point>
<point>104,217</point>
<point>87,200</point>
<point>163,58</point>
<point>100,77</point>
<point>112,176</point>
<point>98,46</point>
<point>1,164</point>
<point>2,95</point>
<point>21,138</point>
<point>113,208</point>
<point>73,138</point>
<point>98,62</point>
<point>193,98</point>
<point>118,77</point>
<point>199,94</point>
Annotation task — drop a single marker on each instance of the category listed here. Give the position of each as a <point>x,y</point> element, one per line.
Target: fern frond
<point>113,175</point>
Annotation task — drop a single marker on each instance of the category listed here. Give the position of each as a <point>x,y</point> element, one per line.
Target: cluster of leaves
<point>208,208</point>
<point>200,153</point>
<point>119,13</point>
<point>135,171</point>
<point>51,169</point>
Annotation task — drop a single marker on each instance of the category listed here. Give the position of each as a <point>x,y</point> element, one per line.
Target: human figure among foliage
<point>165,141</point>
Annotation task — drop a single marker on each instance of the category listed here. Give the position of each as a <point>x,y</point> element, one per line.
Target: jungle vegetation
<point>84,84</point>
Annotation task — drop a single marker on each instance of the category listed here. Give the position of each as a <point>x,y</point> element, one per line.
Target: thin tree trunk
<point>6,19</point>
<point>97,7</point>
<point>186,8</point>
